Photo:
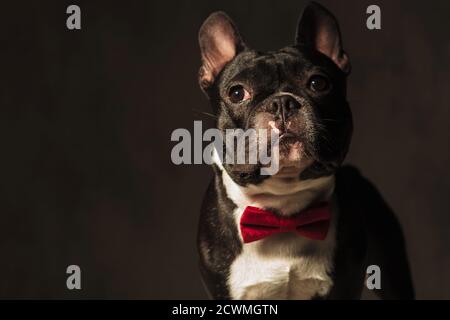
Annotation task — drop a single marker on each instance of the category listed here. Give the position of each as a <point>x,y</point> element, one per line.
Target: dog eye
<point>238,94</point>
<point>319,83</point>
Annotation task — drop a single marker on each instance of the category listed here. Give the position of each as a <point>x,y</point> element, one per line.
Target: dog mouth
<point>287,139</point>
<point>293,158</point>
<point>289,145</point>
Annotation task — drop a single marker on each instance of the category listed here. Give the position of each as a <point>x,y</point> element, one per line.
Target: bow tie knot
<point>312,223</point>
<point>284,225</point>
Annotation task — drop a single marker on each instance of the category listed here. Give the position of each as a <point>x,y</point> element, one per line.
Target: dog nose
<point>285,104</point>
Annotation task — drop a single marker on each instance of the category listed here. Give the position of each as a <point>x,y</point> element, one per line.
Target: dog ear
<point>219,42</point>
<point>319,29</point>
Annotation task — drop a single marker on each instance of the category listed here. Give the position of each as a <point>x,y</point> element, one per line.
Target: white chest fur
<point>282,266</point>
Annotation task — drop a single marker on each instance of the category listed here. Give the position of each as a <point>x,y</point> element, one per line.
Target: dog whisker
<point>205,113</point>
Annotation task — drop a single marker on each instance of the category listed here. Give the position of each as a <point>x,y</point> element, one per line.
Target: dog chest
<point>283,266</point>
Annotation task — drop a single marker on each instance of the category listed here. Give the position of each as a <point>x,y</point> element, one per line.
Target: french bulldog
<point>311,230</point>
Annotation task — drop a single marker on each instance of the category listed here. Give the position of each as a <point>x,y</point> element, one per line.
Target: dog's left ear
<point>319,29</point>
<point>220,42</point>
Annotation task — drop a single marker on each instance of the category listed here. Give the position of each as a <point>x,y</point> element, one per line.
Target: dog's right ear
<point>219,42</point>
<point>319,29</point>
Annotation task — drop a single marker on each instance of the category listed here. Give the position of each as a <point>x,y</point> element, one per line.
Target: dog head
<point>298,91</point>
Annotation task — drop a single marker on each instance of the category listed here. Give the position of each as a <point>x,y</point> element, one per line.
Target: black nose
<point>286,105</point>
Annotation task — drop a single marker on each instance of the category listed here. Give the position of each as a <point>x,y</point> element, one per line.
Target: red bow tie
<point>311,223</point>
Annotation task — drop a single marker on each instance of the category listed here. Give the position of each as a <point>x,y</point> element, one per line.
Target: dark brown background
<point>86,176</point>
